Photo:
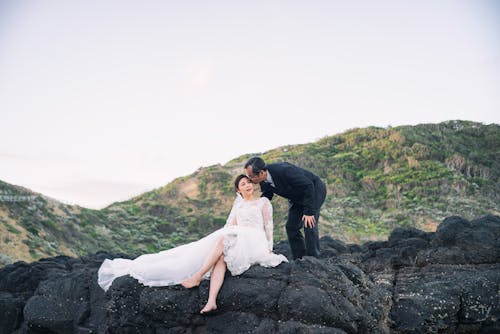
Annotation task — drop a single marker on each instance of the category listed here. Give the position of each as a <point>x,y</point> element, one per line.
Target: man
<point>305,193</point>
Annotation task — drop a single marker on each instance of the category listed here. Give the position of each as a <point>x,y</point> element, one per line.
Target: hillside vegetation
<point>377,179</point>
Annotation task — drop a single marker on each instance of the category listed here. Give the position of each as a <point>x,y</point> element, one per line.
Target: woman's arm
<point>267,214</point>
<point>231,219</point>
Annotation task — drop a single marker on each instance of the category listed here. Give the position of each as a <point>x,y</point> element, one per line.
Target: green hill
<point>34,226</point>
<point>377,179</point>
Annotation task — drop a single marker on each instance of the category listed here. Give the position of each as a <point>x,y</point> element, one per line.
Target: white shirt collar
<point>270,179</point>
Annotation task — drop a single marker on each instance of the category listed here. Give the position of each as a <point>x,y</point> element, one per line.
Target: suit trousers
<point>295,224</point>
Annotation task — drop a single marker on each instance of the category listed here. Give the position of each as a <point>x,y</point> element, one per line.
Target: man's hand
<point>309,221</point>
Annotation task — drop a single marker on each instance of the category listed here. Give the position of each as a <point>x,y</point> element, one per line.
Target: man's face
<point>255,178</point>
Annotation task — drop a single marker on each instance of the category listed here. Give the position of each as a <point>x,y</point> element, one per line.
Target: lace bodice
<point>254,213</point>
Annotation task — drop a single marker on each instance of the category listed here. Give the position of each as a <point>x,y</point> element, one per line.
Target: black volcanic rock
<point>415,282</point>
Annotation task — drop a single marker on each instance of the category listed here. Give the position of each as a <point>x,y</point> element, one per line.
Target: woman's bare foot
<point>209,307</point>
<point>191,282</point>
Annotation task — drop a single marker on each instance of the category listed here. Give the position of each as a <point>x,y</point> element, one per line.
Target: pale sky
<point>103,100</point>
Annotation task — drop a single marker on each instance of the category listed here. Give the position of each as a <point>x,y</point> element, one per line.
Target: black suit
<point>305,193</point>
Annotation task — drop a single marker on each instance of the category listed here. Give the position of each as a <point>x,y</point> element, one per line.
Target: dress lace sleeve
<point>267,214</point>
<point>231,219</point>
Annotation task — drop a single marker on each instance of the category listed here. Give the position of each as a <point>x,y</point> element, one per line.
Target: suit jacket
<point>294,183</point>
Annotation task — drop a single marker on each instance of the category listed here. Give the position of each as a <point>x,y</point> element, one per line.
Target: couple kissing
<point>245,240</point>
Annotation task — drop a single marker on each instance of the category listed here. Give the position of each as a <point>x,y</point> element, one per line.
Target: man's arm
<point>266,191</point>
<point>303,185</point>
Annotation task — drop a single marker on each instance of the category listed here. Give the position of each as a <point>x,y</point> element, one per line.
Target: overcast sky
<point>102,100</point>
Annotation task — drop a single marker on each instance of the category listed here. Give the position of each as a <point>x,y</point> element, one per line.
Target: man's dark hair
<point>257,164</point>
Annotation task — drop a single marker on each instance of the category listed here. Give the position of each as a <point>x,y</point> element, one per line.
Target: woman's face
<point>245,186</point>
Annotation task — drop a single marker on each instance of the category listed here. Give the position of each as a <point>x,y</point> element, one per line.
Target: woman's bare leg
<point>216,280</point>
<point>210,261</point>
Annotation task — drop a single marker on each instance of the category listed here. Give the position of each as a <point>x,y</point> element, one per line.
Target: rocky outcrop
<point>415,282</point>
<point>460,164</point>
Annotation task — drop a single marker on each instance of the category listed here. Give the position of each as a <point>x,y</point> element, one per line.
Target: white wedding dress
<point>248,240</point>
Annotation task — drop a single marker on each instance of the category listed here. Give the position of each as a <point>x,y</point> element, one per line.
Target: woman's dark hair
<point>238,179</point>
<point>257,164</point>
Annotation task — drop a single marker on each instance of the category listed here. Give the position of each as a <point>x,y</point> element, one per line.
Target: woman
<point>246,239</point>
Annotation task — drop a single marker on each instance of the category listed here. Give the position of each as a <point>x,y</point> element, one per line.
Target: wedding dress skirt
<point>244,245</point>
